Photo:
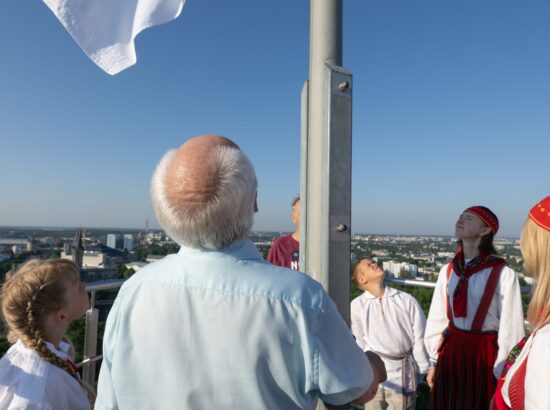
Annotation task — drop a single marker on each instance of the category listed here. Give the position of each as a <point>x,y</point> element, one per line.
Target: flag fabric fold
<point>106,29</point>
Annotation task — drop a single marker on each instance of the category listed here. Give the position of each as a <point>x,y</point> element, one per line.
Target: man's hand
<point>378,365</point>
<point>430,377</point>
<point>379,376</point>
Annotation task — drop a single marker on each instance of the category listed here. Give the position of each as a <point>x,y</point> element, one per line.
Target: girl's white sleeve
<point>437,317</point>
<point>511,328</point>
<point>418,326</point>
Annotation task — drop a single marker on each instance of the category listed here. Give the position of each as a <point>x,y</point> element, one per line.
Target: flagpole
<point>326,157</point>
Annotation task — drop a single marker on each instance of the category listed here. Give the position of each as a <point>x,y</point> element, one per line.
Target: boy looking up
<point>390,323</point>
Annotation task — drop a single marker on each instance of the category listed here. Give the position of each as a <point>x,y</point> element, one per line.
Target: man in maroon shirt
<point>285,250</point>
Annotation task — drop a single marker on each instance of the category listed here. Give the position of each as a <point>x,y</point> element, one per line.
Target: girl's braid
<point>36,338</point>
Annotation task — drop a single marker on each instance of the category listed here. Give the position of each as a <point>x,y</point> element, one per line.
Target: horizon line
<point>46,227</point>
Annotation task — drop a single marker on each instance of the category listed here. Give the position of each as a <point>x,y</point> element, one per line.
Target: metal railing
<point>88,364</point>
<point>410,282</point>
<point>525,290</point>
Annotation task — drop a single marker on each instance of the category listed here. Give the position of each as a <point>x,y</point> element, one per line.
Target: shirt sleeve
<point>511,328</point>
<point>357,323</point>
<point>106,397</point>
<point>437,317</point>
<point>274,255</point>
<point>418,326</point>
<point>344,372</point>
<point>537,394</point>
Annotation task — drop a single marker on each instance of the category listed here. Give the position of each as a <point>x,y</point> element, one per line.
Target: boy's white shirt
<point>505,313</point>
<point>27,381</point>
<point>393,325</point>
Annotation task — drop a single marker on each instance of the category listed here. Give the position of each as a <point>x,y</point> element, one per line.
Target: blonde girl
<point>38,303</point>
<point>526,376</point>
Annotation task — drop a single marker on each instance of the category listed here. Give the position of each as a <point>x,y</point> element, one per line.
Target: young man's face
<point>295,215</point>
<point>470,226</point>
<point>369,271</point>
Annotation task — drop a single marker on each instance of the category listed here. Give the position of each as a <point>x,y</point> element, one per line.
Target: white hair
<point>222,219</point>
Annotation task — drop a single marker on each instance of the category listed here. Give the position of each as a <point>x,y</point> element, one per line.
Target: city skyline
<point>111,229</point>
<point>451,108</point>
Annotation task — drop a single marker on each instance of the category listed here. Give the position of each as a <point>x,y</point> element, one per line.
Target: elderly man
<point>215,326</point>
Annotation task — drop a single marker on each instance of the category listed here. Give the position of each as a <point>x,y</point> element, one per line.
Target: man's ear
<point>256,202</point>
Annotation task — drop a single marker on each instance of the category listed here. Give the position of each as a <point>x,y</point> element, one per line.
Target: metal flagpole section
<point>326,149</point>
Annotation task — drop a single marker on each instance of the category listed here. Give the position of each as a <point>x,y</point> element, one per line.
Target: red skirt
<point>464,376</point>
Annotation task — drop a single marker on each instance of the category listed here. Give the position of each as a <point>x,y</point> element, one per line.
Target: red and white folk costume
<point>524,383</point>
<point>475,318</point>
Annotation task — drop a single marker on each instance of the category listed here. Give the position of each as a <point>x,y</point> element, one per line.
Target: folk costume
<point>524,380</point>
<point>393,327</point>
<point>475,318</point>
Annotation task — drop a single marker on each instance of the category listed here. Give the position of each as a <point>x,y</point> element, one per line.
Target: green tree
<point>264,250</point>
<point>4,346</point>
<point>405,274</point>
<point>129,272</point>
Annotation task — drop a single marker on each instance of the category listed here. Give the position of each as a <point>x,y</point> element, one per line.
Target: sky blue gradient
<point>451,109</point>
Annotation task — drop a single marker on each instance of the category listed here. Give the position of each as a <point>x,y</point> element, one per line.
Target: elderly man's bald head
<point>203,185</point>
<point>193,174</point>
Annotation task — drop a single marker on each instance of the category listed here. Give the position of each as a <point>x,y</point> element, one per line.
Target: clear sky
<point>451,109</point>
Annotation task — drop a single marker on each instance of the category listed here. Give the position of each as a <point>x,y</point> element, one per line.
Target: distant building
<point>97,274</point>
<point>94,259</point>
<point>395,268</point>
<point>77,250</point>
<point>129,241</point>
<point>114,241</point>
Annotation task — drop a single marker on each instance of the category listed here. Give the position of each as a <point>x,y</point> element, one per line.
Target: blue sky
<point>451,108</point>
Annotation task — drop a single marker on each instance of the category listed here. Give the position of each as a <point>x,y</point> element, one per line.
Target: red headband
<point>486,215</point>
<point>540,214</point>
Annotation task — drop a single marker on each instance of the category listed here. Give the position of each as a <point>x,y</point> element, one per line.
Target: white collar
<point>243,249</point>
<point>388,292</point>
<point>62,352</point>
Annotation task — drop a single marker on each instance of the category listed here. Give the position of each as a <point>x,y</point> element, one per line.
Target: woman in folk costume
<point>475,317</point>
<point>525,380</point>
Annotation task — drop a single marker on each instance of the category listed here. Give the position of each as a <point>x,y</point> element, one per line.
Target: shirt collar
<point>388,292</point>
<point>61,352</point>
<point>243,249</point>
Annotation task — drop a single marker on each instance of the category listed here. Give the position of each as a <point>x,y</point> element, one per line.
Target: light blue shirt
<point>223,329</point>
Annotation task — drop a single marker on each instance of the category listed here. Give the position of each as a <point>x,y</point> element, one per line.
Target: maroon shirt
<point>285,251</point>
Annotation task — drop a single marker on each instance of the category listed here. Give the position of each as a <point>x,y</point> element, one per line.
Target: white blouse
<point>537,376</point>
<point>29,382</point>
<point>505,314</point>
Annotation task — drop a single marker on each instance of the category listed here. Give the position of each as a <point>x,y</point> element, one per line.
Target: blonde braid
<point>37,340</point>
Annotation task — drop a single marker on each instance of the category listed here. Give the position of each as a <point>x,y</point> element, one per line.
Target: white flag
<point>105,29</point>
